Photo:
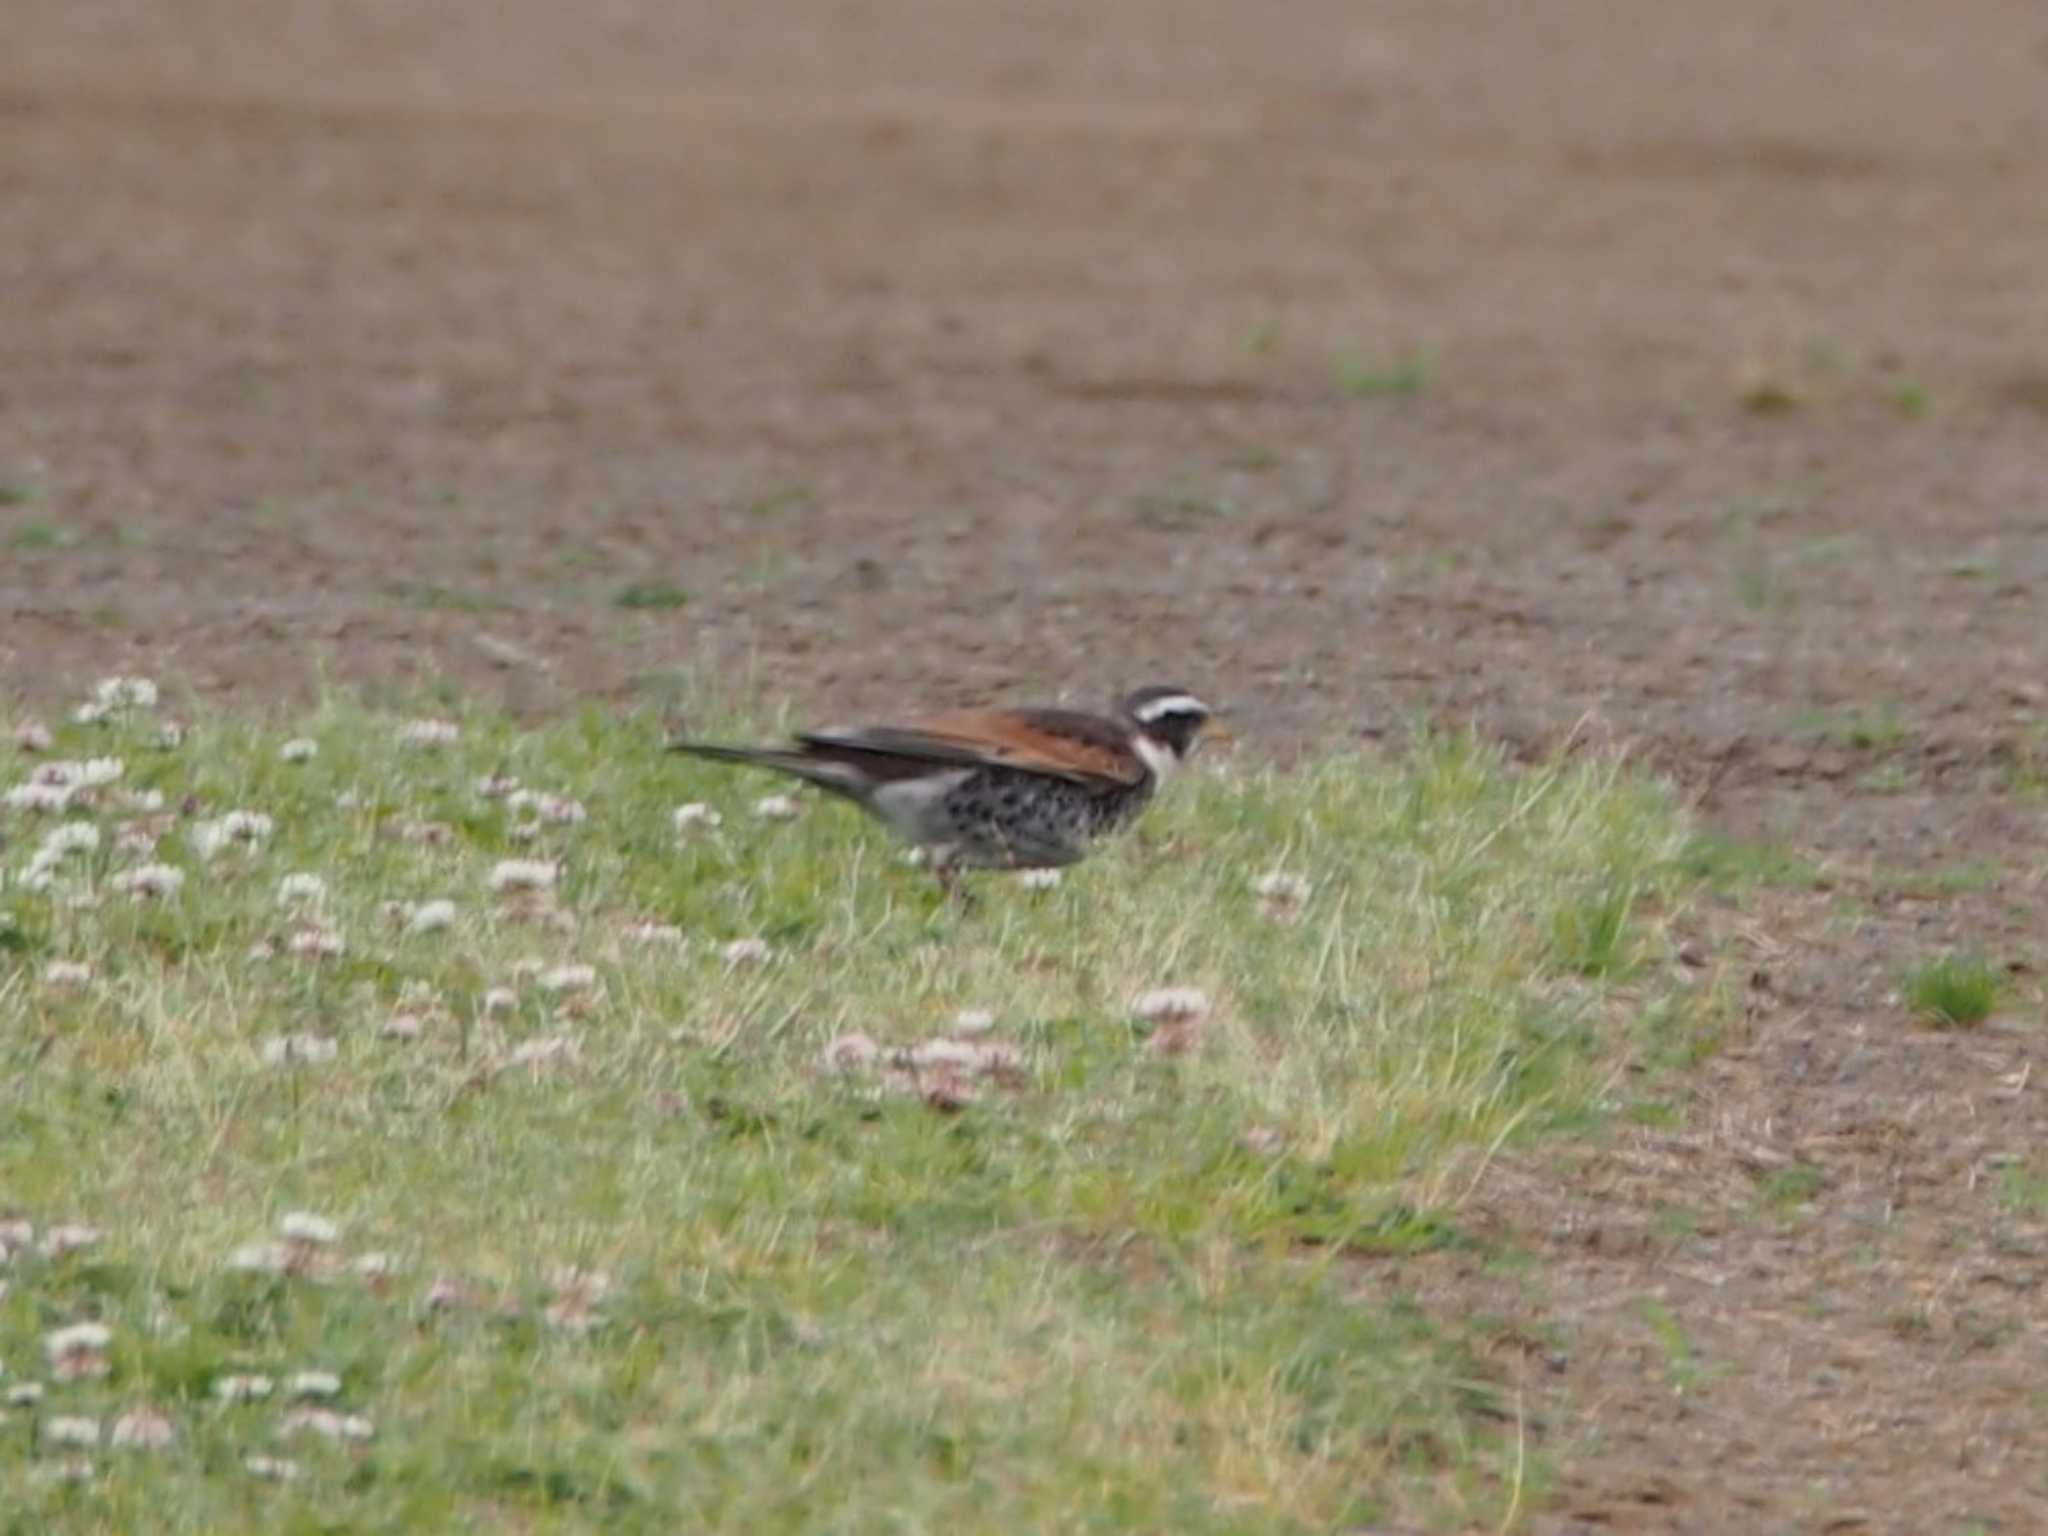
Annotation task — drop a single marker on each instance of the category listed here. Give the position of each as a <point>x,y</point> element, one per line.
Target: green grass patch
<point>40,534</point>
<point>1879,728</point>
<point>650,594</point>
<point>1401,377</point>
<point>1786,1189</point>
<point>1733,865</point>
<point>1954,992</point>
<point>1092,1281</point>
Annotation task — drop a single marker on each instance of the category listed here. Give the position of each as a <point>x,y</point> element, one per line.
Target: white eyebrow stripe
<point>1172,704</point>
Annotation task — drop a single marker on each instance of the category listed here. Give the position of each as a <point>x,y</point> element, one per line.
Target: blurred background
<point>1512,359</point>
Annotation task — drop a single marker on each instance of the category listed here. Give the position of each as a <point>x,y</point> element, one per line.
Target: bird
<point>1028,788</point>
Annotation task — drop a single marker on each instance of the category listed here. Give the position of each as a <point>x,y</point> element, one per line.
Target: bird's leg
<point>949,878</point>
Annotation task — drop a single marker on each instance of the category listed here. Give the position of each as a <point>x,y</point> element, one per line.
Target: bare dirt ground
<point>1672,371</point>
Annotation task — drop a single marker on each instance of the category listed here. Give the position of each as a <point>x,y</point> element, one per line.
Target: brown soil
<point>940,352</point>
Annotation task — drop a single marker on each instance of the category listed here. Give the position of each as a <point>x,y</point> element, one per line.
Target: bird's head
<point>1169,723</point>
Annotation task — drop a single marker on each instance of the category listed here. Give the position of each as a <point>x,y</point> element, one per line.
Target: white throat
<point>1159,759</point>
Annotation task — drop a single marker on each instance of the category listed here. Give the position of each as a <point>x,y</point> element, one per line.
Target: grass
<point>1732,865</point>
<point>1406,375</point>
<point>650,594</point>
<point>1954,992</point>
<point>1105,1287</point>
<point>1681,1362</point>
<point>1879,728</point>
<point>1180,511</point>
<point>40,534</point>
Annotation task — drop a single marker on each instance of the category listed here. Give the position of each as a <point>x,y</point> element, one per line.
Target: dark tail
<point>789,760</point>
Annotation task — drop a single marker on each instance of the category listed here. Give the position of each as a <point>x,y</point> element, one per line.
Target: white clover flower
<point>496,786</point>
<point>985,1057</point>
<point>1262,1141</point>
<point>15,1235</point>
<point>78,1353</point>
<point>78,1339</point>
<point>401,1026</point>
<point>307,1227</point>
<point>946,1089</point>
<point>373,1269</point>
<point>969,1022</point>
<point>430,733</point>
<point>69,1238</point>
<point>146,801</point>
<point>307,1384</point>
<point>71,837</point>
<point>748,952</point>
<point>150,880</point>
<point>302,888</point>
<point>849,1053</point>
<point>71,1429</point>
<point>66,973</point>
<point>314,942</point>
<point>245,827</point>
<point>326,1422</point>
<point>89,714</point>
<point>1168,1005</point>
<point>300,749</point>
<point>568,978</point>
<point>431,916</point>
<point>500,1000</point>
<point>1281,895</point>
<point>25,1394</point>
<point>294,1050</point>
<point>1038,879</point>
<point>170,736</point>
<point>142,1429</point>
<point>1176,1014</point>
<point>261,1259</point>
<point>938,1053</point>
<point>89,773</point>
<point>577,1296</point>
<point>559,809</point>
<point>654,933</point>
<point>524,832</point>
<point>443,1294</point>
<point>543,1052</point>
<point>272,1469</point>
<point>242,1389</point>
<point>112,693</point>
<point>33,736</point>
<point>778,808</point>
<point>524,875</point>
<point>696,817</point>
<point>42,799</point>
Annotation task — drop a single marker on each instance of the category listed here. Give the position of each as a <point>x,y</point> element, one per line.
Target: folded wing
<point>1063,743</point>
